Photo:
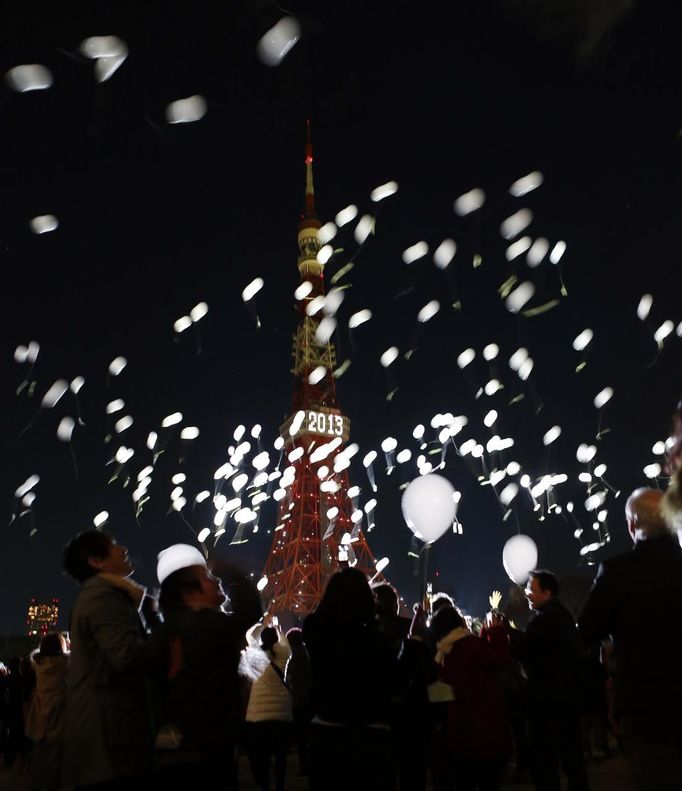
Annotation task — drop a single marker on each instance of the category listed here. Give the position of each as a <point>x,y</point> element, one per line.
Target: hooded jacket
<point>477,725</point>
<point>46,712</point>
<point>269,698</point>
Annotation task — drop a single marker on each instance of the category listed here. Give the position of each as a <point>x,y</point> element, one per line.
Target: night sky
<point>154,218</point>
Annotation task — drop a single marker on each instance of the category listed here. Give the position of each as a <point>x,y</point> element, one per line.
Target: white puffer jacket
<point>269,698</point>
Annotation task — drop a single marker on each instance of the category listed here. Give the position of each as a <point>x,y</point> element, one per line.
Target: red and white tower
<point>318,523</point>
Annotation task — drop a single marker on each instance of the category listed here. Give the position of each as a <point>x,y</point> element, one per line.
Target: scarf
<point>132,589</point>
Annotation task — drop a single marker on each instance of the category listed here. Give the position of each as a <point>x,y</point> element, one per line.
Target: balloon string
<point>73,459</point>
<point>425,553</point>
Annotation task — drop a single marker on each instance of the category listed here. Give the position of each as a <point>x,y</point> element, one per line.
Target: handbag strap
<point>278,670</point>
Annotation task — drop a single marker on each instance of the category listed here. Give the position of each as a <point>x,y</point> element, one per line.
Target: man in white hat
<point>202,695</point>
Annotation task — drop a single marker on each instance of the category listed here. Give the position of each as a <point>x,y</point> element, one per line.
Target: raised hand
<point>495,599</point>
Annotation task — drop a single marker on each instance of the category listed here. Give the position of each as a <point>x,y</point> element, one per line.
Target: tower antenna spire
<point>309,211</point>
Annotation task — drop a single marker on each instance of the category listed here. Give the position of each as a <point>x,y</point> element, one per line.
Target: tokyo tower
<point>318,521</point>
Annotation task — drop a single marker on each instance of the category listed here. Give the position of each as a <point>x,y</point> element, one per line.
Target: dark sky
<point>154,218</point>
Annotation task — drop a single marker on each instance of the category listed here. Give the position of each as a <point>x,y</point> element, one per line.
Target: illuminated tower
<point>318,523</point>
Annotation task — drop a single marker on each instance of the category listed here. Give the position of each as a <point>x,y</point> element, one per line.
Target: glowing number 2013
<point>323,423</point>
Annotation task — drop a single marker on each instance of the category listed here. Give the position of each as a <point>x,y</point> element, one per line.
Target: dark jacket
<point>203,696</point>
<point>353,671</point>
<point>552,656</point>
<point>477,725</point>
<point>298,675</point>
<point>108,725</point>
<point>637,598</point>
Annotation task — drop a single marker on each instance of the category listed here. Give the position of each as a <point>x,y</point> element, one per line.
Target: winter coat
<point>269,698</point>
<point>553,659</point>
<point>202,698</point>
<point>108,728</point>
<point>46,711</point>
<point>298,675</point>
<point>477,725</point>
<point>354,671</point>
<point>637,598</point>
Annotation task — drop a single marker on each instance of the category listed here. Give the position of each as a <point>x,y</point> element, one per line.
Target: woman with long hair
<point>353,680</point>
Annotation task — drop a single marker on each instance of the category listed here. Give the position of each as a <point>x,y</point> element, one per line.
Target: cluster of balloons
<point>429,508</point>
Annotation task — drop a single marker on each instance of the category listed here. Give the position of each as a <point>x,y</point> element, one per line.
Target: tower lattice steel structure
<point>318,527</point>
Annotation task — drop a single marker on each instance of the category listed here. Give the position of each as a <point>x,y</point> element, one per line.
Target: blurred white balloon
<point>183,323</point>
<point>526,184</point>
<point>76,384</point>
<point>491,351</point>
<point>44,223</point>
<point>516,223</point>
<point>557,252</point>
<point>346,215</point>
<point>102,47</point>
<point>325,330</point>
<point>109,52</point>
<point>428,311</point>
<point>363,229</point>
<point>384,191</point>
<point>198,311</point>
<point>469,202</point>
<point>65,429</point>
<point>415,252</point>
<point>359,318</point>
<point>389,356</point>
<point>516,248</point>
<point>252,289</point>
<point>326,233</point>
<point>29,77</point>
<point>184,111</point>
<point>117,365</point>
<point>603,397</point>
<point>520,296</point>
<point>277,42</point>
<point>54,393</point>
<point>537,252</point>
<point>644,306</point>
<point>581,341</point>
<point>444,253</point>
<point>550,436</point>
<point>466,357</point>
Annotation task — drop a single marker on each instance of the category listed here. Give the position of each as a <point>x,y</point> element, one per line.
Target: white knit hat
<point>176,557</point>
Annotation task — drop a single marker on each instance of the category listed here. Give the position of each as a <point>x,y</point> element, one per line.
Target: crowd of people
<point>165,692</point>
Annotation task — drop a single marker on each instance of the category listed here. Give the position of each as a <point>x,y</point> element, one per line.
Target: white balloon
<point>429,507</point>
<point>519,558</point>
<point>275,44</point>
<point>184,111</point>
<point>29,77</point>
